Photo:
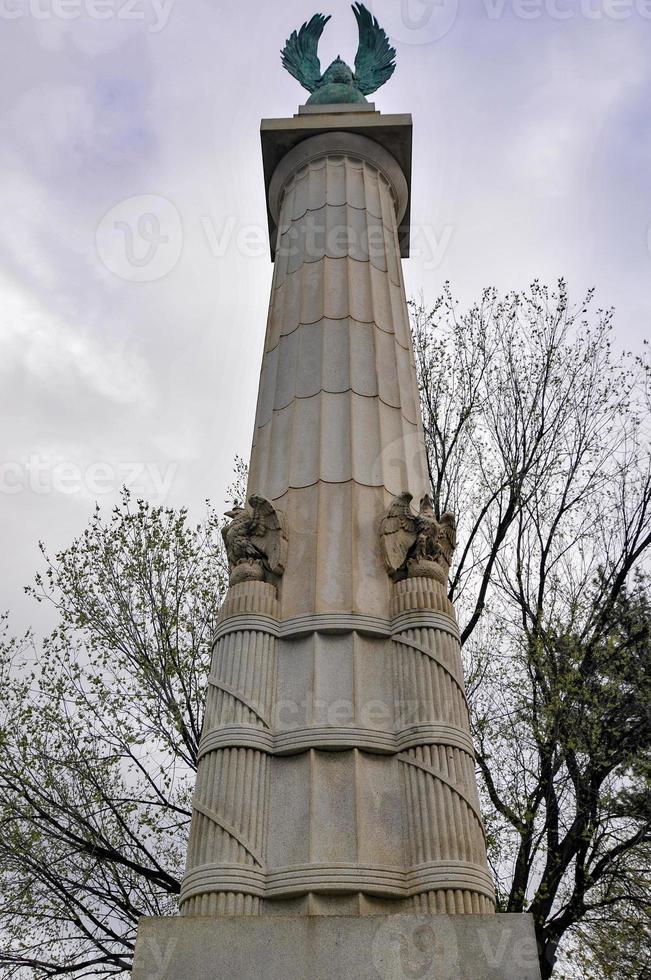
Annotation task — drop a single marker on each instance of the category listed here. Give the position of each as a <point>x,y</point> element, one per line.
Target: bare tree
<point>99,740</point>
<point>537,438</point>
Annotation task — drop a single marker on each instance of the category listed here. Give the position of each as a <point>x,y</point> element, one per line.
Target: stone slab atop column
<point>393,132</point>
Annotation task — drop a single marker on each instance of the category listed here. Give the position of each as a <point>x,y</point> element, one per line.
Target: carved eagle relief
<point>374,62</point>
<point>255,540</point>
<point>413,543</point>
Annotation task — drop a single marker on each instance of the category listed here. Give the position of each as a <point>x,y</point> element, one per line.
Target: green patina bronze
<point>374,62</point>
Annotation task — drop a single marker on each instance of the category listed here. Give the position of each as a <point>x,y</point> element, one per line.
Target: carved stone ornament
<point>255,541</point>
<point>417,544</point>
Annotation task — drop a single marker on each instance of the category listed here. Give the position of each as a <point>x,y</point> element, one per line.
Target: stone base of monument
<point>377,947</point>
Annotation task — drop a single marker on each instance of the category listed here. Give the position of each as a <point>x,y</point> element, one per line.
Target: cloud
<point>66,361</point>
<point>563,119</point>
<point>520,127</point>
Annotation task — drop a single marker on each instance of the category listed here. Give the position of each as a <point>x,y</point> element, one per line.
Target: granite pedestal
<point>376,947</point>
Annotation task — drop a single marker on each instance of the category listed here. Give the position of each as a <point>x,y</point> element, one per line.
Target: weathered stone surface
<point>338,416</point>
<point>307,110</point>
<point>417,545</point>
<point>255,541</point>
<point>372,947</point>
<point>336,763</point>
<point>336,770</point>
<point>392,132</point>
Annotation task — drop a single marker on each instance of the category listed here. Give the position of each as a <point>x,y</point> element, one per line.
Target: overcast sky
<point>134,264</point>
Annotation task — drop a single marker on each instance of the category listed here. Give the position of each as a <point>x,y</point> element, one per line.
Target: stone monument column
<point>336,770</point>
<point>336,828</point>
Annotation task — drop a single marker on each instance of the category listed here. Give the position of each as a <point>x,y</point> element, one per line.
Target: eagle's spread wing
<point>374,62</point>
<point>269,535</point>
<point>300,56</point>
<point>448,535</point>
<point>398,532</point>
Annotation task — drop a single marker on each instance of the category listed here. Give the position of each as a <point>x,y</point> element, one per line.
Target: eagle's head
<point>427,506</point>
<point>338,72</point>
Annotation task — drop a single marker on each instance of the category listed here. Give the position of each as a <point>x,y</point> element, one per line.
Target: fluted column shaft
<point>338,429</point>
<point>336,767</point>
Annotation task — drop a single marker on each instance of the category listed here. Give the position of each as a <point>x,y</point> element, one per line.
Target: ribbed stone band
<point>338,878</point>
<point>339,623</point>
<point>433,752</point>
<point>330,738</point>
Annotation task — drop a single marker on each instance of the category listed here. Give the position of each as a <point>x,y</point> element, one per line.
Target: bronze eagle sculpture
<point>374,62</point>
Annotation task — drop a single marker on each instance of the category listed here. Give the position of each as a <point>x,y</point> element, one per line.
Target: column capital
<point>385,141</point>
